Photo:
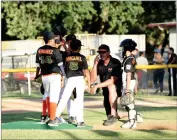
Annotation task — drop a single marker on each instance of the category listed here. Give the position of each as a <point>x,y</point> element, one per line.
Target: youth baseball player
<point>76,67</point>
<point>49,61</point>
<point>70,105</point>
<point>128,66</point>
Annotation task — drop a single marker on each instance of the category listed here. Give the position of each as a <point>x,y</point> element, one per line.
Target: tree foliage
<point>27,19</point>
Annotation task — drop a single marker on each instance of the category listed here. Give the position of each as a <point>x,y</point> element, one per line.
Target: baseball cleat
<point>111,120</point>
<point>54,122</point>
<point>72,120</point>
<point>43,118</point>
<point>61,120</point>
<point>139,119</point>
<point>129,125</point>
<point>81,124</point>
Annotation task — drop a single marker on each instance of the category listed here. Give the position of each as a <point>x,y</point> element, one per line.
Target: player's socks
<point>48,105</point>
<point>44,107</point>
<point>53,107</point>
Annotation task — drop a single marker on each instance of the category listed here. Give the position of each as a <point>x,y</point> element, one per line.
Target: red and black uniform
<point>49,58</point>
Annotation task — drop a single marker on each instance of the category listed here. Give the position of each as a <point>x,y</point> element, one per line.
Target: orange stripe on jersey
<point>45,51</point>
<point>70,58</point>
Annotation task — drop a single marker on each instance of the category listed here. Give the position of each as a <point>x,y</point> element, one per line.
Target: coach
<point>109,71</point>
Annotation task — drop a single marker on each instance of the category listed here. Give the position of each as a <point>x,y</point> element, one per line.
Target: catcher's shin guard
<point>132,114</point>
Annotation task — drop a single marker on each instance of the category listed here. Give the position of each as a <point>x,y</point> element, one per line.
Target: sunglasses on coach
<point>102,52</point>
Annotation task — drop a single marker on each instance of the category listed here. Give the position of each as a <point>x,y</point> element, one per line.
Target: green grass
<point>88,134</point>
<point>95,117</point>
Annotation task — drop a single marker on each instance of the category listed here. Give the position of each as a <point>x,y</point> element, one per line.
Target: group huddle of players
<point>63,75</point>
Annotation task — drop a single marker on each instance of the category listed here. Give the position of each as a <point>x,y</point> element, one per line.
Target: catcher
<point>128,77</point>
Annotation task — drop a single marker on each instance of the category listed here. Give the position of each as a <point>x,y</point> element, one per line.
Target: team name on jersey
<point>71,58</point>
<point>45,51</point>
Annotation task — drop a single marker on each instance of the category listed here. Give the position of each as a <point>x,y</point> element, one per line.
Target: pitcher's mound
<point>38,125</point>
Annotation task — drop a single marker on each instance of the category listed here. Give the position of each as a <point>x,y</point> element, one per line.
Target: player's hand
<point>93,89</point>
<point>97,59</point>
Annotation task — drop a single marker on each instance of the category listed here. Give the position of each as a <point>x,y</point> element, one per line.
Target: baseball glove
<point>126,99</point>
<point>74,94</point>
<point>38,78</point>
<point>42,89</point>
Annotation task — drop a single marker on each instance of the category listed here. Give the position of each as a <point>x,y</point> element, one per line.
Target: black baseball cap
<point>105,47</point>
<point>48,36</point>
<point>70,37</point>
<point>75,44</point>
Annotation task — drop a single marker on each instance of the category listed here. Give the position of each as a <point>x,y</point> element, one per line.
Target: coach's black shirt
<point>112,69</point>
<point>48,58</point>
<point>129,64</point>
<point>75,64</point>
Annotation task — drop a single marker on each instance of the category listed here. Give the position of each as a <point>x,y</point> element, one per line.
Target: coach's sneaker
<point>129,125</point>
<point>139,119</point>
<point>111,120</point>
<point>80,124</point>
<point>43,118</point>
<point>54,122</point>
<point>61,120</point>
<point>72,120</point>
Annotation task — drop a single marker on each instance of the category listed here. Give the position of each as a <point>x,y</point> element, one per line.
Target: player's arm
<point>93,73</point>
<point>106,83</point>
<point>67,50</point>
<point>128,69</point>
<point>87,75</point>
<point>85,70</point>
<point>37,65</point>
<point>59,61</point>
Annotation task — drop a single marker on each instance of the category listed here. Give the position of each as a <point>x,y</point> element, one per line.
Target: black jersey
<point>112,69</point>
<point>128,65</point>
<point>48,58</point>
<point>75,64</point>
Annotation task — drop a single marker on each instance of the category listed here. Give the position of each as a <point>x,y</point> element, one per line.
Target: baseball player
<point>44,116</point>
<point>128,77</point>
<point>49,62</point>
<point>70,104</point>
<point>76,67</point>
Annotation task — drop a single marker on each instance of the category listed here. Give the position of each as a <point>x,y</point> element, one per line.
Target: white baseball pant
<point>78,83</point>
<point>132,84</point>
<point>52,87</point>
<point>70,104</point>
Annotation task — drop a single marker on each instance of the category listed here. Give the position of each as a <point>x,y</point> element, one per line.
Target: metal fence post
<point>29,84</point>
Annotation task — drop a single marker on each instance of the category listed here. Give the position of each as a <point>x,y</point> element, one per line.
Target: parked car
<point>12,81</point>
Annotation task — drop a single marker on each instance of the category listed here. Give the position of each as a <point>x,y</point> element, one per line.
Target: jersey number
<point>73,66</point>
<point>46,59</point>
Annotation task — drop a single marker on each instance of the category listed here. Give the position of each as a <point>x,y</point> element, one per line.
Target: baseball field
<point>21,117</point>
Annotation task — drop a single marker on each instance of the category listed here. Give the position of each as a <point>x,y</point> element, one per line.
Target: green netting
<point>38,125</point>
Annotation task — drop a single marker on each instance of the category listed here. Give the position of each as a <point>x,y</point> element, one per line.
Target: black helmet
<point>127,45</point>
<point>60,30</point>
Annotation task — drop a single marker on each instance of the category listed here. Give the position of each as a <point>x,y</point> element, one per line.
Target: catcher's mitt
<point>38,78</point>
<point>74,94</point>
<point>42,89</point>
<point>126,99</point>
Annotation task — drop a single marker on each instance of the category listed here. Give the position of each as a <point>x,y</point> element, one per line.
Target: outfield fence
<point>21,80</point>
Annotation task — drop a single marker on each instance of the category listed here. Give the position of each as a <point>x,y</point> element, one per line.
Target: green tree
<point>116,17</point>
<point>27,19</point>
<point>74,15</point>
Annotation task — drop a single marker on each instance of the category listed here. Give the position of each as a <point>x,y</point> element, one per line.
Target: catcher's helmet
<point>127,45</point>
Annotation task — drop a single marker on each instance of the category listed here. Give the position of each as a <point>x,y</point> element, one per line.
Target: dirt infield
<point>35,105</point>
